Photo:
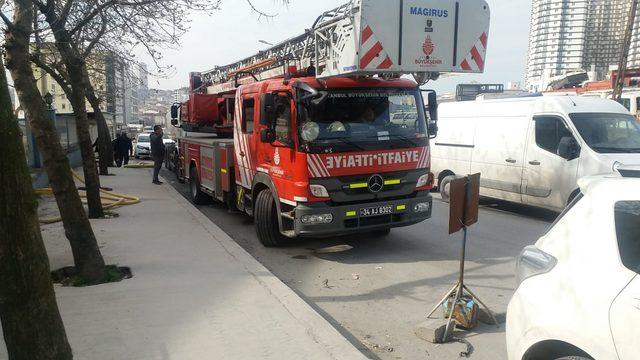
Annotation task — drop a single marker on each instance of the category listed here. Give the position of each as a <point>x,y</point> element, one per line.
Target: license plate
<point>376,211</point>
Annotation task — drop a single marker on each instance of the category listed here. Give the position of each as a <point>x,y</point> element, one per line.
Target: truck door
<point>624,315</point>
<point>498,156</point>
<point>245,146</point>
<point>278,158</point>
<point>548,178</point>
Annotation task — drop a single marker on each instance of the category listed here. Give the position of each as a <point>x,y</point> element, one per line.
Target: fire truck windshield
<point>357,120</point>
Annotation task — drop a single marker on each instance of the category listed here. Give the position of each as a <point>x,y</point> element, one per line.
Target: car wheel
<point>266,220</point>
<point>445,187</point>
<point>197,196</point>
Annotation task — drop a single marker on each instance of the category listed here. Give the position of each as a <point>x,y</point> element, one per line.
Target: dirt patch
<point>67,276</point>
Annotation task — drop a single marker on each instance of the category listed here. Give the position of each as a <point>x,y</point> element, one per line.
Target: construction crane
<point>624,53</point>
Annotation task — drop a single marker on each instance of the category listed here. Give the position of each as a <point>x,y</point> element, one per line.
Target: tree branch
<point>96,38</point>
<point>259,12</point>
<point>92,15</point>
<point>57,76</point>
<point>6,20</point>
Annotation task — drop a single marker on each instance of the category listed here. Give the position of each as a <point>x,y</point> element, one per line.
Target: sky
<point>233,33</point>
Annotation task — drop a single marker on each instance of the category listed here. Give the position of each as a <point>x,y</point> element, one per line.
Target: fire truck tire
<point>197,196</point>
<point>266,220</point>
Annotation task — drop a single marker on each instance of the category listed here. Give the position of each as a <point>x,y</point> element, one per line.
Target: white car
<point>143,144</point>
<point>579,289</point>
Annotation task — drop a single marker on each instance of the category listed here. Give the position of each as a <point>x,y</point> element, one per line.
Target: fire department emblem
<point>428,46</point>
<point>276,157</point>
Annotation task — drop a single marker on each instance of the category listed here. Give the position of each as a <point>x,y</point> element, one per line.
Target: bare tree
<point>30,318</point>
<point>88,260</point>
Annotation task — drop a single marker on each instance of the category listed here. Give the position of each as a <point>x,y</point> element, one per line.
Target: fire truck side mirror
<point>267,109</point>
<point>174,112</point>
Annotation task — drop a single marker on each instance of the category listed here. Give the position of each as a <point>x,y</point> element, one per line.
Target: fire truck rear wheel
<point>266,220</point>
<point>197,196</point>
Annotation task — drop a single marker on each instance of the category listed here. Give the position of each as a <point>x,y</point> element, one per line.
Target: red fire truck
<point>321,135</point>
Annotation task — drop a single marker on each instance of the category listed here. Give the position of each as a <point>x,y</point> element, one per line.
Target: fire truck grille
<point>355,189</point>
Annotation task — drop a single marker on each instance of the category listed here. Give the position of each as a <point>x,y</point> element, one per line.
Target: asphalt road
<point>375,290</point>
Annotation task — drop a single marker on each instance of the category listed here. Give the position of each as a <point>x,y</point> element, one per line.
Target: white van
<point>533,150</point>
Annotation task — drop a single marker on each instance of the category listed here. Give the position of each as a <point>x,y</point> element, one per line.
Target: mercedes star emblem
<point>376,183</point>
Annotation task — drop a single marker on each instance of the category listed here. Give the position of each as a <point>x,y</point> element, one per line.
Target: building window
<point>64,106</point>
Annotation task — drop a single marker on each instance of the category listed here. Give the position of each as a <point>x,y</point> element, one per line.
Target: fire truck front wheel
<point>266,220</point>
<point>197,195</point>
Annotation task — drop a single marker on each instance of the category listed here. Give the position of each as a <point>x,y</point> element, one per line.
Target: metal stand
<point>460,287</point>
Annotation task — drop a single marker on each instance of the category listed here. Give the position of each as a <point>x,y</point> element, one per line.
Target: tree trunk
<point>74,65</point>
<point>86,254</point>
<point>29,313</point>
<point>105,148</point>
<point>78,102</point>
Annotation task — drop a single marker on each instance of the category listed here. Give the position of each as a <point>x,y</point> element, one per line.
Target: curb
<point>336,346</point>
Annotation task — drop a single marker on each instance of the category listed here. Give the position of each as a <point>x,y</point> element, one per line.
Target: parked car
<point>578,294</point>
<point>143,146</point>
<point>532,150</point>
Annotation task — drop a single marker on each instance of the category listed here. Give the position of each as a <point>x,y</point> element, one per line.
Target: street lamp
<point>48,99</point>
<point>265,42</point>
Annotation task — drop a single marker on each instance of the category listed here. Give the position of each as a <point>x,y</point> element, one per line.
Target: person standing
<point>117,150</point>
<point>127,148</point>
<point>157,152</point>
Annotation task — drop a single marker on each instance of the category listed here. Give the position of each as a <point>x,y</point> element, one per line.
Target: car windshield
<point>144,139</point>
<point>608,133</point>
<point>352,120</point>
<point>627,215</point>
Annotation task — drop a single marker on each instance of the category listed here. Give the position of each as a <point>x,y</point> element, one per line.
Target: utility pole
<point>624,54</point>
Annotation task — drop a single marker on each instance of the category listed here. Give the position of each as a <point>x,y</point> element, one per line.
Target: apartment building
<point>576,35</point>
<point>122,87</point>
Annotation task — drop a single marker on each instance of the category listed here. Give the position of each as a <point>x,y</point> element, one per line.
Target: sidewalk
<point>195,294</point>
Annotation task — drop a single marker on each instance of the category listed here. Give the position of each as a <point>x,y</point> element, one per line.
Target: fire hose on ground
<point>110,200</point>
<point>140,165</point>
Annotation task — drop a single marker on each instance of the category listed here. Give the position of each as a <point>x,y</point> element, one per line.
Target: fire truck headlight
<point>319,191</point>
<point>425,180</point>
<point>317,219</point>
<point>310,131</point>
<point>422,207</point>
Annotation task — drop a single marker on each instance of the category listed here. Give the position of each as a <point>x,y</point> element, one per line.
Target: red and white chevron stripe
<point>475,59</point>
<point>373,55</point>
<point>316,167</point>
<point>425,159</point>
